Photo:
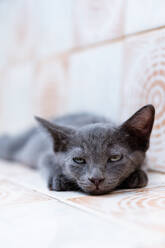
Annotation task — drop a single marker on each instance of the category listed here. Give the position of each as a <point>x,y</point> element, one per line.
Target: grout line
<point>74,50</point>
<point>144,31</point>
<point>157,171</point>
<point>114,40</point>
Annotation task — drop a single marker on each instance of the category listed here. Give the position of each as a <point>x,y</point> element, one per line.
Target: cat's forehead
<point>95,131</point>
<point>96,136</point>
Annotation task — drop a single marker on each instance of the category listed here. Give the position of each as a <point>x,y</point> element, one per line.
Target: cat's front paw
<point>137,179</point>
<point>61,183</point>
<point>55,183</point>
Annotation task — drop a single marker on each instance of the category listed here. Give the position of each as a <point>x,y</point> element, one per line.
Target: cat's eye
<point>79,160</point>
<point>115,158</point>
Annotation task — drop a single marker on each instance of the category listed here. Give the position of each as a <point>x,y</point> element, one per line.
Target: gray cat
<point>85,152</point>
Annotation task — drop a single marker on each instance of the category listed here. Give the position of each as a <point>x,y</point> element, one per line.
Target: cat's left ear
<point>59,134</point>
<point>141,123</point>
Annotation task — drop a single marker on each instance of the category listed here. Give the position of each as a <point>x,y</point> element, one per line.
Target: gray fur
<point>92,138</point>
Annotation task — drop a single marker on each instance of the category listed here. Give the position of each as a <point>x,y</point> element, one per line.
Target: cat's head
<point>100,157</point>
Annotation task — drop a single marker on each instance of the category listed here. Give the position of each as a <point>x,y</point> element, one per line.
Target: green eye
<point>79,160</point>
<point>115,158</point>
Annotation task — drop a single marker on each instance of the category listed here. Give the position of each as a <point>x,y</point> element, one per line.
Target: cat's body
<point>85,151</point>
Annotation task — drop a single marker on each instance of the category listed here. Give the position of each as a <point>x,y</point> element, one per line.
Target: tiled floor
<point>32,216</point>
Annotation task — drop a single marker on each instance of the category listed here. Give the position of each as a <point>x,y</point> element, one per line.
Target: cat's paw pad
<point>138,179</point>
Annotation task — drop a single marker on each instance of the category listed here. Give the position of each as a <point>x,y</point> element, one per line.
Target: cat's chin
<point>98,192</point>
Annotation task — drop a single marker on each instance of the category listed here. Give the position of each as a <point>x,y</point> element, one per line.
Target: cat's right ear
<point>59,134</point>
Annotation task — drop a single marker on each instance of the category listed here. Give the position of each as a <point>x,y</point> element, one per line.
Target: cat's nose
<point>96,181</point>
